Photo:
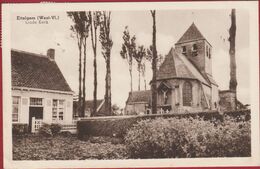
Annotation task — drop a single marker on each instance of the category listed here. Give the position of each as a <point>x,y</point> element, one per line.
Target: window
<point>194,47</point>
<point>35,101</point>
<point>194,50</point>
<point>187,94</point>
<point>165,97</point>
<point>16,109</point>
<point>58,107</point>
<point>207,51</point>
<point>184,51</point>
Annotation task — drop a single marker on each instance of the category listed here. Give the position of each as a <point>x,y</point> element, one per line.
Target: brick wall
<point>227,100</point>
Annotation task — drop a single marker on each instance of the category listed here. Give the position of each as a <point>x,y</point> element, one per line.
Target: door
<point>36,112</point>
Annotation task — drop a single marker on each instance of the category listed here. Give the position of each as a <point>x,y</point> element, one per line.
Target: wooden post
<point>33,125</point>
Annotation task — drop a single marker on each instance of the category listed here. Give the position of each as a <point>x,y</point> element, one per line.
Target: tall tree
<point>143,70</point>
<point>127,52</point>
<point>232,53</point>
<point>79,28</point>
<point>139,56</point>
<point>106,43</point>
<point>86,24</point>
<point>154,65</point>
<point>94,18</point>
<point>149,57</point>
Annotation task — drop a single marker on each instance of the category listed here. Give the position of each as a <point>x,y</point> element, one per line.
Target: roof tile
<point>36,71</point>
<point>191,34</point>
<point>139,96</point>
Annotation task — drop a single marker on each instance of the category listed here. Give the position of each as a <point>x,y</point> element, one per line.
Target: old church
<point>184,79</point>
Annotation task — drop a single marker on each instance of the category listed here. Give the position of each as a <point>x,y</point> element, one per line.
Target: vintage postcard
<point>162,84</point>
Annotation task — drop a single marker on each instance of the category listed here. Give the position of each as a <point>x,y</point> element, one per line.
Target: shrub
<point>50,129</point>
<point>188,137</point>
<point>55,128</point>
<point>19,129</point>
<point>45,130</point>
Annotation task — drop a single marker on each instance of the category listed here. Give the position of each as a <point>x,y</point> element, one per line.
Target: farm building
<point>40,92</point>
<point>89,108</point>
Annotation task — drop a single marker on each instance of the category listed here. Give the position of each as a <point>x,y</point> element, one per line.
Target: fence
<point>36,124</point>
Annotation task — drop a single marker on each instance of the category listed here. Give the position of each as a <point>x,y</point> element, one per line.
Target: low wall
<point>117,126</point>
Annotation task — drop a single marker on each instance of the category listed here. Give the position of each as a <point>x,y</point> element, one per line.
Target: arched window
<point>187,94</point>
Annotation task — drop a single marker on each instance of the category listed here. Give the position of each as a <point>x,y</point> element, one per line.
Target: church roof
<point>191,34</point>
<point>211,80</point>
<point>139,96</point>
<point>178,66</point>
<point>36,71</point>
<point>167,69</point>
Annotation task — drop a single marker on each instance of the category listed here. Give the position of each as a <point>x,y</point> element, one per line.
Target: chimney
<point>51,54</point>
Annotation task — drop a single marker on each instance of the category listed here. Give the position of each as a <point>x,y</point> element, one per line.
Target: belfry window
<point>184,50</point>
<point>194,50</point>
<point>209,53</point>
<point>187,94</point>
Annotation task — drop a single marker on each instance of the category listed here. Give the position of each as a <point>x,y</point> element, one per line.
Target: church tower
<point>196,48</point>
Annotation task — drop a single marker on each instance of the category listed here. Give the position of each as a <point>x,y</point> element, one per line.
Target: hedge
<point>117,126</point>
<point>189,137</point>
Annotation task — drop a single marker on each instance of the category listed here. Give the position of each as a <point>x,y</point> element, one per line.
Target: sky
<point>171,25</point>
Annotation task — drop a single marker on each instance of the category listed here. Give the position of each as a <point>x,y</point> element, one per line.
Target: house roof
<point>178,66</point>
<point>90,103</point>
<point>191,34</point>
<point>89,106</point>
<point>36,71</point>
<point>139,96</point>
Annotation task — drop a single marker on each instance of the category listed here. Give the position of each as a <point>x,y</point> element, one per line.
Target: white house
<point>39,90</point>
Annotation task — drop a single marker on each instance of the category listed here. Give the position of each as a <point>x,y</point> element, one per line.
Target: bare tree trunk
<point>131,78</point>
<point>232,50</point>
<point>139,78</point>
<point>108,85</point>
<point>154,66</point>
<point>143,69</point>
<point>144,83</point>
<point>80,75</point>
<point>94,47</point>
<point>84,78</point>
<point>107,44</point>
<point>95,84</point>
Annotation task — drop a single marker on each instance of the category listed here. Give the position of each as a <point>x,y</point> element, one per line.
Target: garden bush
<point>19,129</point>
<point>50,129</point>
<point>45,130</point>
<point>188,137</point>
<point>55,128</point>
